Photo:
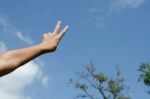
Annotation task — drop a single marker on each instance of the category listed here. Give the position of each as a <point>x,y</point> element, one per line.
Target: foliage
<point>96,85</point>
<point>144,70</point>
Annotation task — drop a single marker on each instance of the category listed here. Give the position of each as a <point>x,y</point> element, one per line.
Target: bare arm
<point>11,60</point>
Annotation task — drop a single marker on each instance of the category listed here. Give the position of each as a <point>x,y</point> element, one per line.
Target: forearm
<point>16,58</point>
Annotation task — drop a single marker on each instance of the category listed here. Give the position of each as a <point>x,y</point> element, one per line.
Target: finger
<point>57,27</point>
<point>62,33</point>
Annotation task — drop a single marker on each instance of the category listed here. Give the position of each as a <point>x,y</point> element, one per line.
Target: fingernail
<point>67,27</point>
<point>59,21</point>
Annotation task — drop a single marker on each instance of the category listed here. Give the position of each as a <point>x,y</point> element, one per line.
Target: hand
<point>51,40</point>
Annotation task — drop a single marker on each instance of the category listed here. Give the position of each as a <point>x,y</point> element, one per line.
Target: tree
<point>96,85</point>
<point>144,76</point>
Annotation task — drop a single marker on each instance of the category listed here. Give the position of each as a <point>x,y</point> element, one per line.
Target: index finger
<point>57,27</point>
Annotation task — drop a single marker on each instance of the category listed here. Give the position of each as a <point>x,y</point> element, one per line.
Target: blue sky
<point>103,31</point>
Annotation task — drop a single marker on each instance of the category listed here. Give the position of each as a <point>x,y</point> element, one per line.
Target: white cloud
<point>12,86</point>
<point>118,5</point>
<point>7,27</point>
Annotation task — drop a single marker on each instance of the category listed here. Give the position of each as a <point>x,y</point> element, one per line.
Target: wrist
<point>40,48</point>
<point>44,49</point>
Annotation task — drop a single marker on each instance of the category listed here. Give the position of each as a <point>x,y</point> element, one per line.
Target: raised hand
<point>51,40</point>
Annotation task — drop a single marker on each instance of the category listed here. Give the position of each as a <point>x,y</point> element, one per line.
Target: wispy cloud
<point>96,16</point>
<point>3,47</point>
<point>23,38</point>
<point>45,81</point>
<point>117,5</point>
<point>9,28</point>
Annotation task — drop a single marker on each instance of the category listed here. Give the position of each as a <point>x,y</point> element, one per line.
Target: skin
<point>12,60</point>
